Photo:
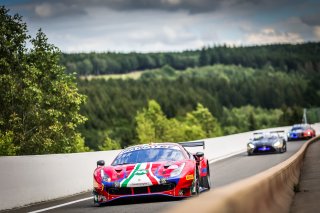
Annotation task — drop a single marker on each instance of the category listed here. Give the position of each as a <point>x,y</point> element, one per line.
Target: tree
<point>109,144</point>
<point>6,145</point>
<point>40,103</point>
<point>151,123</point>
<point>204,58</point>
<point>203,118</point>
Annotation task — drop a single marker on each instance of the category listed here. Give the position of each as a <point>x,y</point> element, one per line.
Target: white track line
<point>64,204</point>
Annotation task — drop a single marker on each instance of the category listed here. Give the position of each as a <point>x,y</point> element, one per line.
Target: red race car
<point>166,169</point>
<point>301,131</point>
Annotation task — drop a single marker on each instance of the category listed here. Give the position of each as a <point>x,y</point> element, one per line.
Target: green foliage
<point>203,118</point>
<point>109,144</point>
<point>302,57</point>
<point>113,104</point>
<point>6,145</point>
<point>313,115</point>
<point>153,126</point>
<point>246,118</point>
<point>40,103</point>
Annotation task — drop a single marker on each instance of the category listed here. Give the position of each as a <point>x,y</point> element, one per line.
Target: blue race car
<point>267,142</point>
<point>301,131</point>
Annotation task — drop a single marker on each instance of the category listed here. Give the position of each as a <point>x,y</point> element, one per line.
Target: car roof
<point>153,145</point>
<point>301,125</point>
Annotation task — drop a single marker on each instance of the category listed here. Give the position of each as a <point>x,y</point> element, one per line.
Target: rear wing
<point>278,131</point>
<point>281,133</point>
<point>192,144</point>
<point>258,133</point>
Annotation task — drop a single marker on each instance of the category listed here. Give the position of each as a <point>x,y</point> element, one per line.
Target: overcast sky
<point>168,25</point>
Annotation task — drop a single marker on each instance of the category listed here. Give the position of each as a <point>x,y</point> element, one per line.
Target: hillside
<point>285,57</point>
<point>240,98</point>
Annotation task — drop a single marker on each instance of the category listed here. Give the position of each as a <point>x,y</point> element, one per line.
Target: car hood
<point>141,174</point>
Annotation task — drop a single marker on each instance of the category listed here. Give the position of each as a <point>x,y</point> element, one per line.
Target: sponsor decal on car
<point>189,177</point>
<point>155,146</point>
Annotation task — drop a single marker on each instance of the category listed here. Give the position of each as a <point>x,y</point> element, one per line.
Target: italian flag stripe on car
<point>126,181</point>
<point>140,176</point>
<point>150,174</point>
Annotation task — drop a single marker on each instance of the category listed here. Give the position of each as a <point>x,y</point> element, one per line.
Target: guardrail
<point>30,179</point>
<point>35,178</point>
<point>269,191</point>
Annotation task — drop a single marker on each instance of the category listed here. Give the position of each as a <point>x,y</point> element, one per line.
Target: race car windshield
<point>259,136</point>
<point>148,155</point>
<point>297,128</point>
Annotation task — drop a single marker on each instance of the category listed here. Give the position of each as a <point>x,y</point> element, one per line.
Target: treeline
<point>240,98</point>
<point>286,57</point>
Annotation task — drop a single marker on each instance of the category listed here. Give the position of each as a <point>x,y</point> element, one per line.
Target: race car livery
<point>267,142</point>
<point>301,131</point>
<point>161,169</point>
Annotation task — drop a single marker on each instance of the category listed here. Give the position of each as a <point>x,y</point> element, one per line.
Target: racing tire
<point>95,202</point>
<point>196,185</point>
<point>206,181</point>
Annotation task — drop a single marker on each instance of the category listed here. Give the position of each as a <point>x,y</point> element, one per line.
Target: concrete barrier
<point>30,179</point>
<point>269,191</point>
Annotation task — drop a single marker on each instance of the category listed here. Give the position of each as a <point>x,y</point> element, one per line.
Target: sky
<point>168,25</point>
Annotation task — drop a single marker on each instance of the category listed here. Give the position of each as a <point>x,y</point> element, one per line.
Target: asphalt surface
<point>222,172</point>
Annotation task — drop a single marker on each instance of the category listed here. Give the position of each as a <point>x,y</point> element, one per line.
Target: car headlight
<point>277,143</point>
<point>104,176</point>
<point>177,171</point>
<point>251,145</point>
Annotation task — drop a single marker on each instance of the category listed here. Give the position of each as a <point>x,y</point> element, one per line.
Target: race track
<point>222,172</point>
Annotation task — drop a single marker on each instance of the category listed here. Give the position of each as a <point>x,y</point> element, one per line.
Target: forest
<point>244,88</point>
<point>238,98</point>
<point>285,57</point>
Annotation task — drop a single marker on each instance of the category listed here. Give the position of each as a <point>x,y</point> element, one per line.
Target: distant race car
<point>301,131</point>
<point>267,142</point>
<point>165,169</point>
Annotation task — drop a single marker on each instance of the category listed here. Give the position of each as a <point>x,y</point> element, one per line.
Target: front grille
<point>141,190</point>
<point>119,191</point>
<point>162,187</point>
<point>264,149</point>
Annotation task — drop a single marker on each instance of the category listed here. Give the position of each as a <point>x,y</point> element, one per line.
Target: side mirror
<point>199,154</point>
<point>100,163</point>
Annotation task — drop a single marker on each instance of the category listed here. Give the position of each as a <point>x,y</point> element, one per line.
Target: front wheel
<point>196,183</point>
<point>95,201</point>
<point>206,181</point>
